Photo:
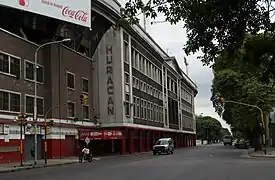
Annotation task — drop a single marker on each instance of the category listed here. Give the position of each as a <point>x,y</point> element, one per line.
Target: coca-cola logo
<point>78,15</point>
<point>24,3</point>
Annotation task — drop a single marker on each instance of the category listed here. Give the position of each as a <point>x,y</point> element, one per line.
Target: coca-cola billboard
<point>73,11</point>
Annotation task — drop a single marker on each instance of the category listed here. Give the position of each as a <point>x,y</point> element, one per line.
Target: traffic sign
<point>87,140</point>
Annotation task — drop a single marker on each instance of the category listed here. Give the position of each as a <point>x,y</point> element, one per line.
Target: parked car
<point>242,144</point>
<point>164,145</point>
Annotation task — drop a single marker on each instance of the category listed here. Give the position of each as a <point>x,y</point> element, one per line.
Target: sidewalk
<point>269,154</point>
<point>40,164</point>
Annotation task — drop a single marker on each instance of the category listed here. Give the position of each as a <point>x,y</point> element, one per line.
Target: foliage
<point>208,128</point>
<point>237,80</point>
<point>225,131</point>
<point>217,26</point>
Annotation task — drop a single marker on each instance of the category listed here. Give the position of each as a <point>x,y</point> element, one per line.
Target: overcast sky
<point>171,39</point>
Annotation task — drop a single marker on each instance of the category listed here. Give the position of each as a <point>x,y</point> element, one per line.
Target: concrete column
<point>131,141</point>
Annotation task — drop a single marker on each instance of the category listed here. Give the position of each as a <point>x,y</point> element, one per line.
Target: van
<point>228,139</point>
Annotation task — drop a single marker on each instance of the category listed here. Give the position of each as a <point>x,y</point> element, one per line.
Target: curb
<point>24,168</point>
<point>250,154</point>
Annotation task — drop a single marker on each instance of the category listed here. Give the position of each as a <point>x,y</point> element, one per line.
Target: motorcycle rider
<point>86,150</point>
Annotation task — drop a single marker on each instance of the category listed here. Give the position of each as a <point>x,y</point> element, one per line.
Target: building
<point>136,92</point>
<point>140,93</point>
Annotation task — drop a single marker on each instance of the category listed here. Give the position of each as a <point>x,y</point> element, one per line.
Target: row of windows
<point>187,122</point>
<point>71,82</point>
<point>142,64</point>
<point>147,110</point>
<point>147,88</point>
<point>186,108</point>
<point>11,65</point>
<point>186,96</point>
<point>11,102</point>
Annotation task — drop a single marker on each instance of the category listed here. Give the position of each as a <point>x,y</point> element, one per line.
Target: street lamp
<point>35,92</point>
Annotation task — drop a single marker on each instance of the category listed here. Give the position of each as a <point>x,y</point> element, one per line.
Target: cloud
<point>172,39</point>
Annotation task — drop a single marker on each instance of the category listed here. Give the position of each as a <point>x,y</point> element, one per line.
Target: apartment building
<point>62,75</point>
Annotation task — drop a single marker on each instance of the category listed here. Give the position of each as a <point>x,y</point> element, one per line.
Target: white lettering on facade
<point>110,82</point>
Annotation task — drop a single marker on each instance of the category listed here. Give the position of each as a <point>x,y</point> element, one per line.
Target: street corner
<point>261,154</point>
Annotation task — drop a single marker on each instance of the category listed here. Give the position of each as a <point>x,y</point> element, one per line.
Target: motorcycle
<point>83,156</point>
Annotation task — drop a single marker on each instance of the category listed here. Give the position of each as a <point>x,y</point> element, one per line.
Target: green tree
<point>225,131</point>
<point>216,26</point>
<point>237,80</point>
<point>208,128</point>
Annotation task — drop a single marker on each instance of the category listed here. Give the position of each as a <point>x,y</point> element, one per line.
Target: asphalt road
<point>214,162</point>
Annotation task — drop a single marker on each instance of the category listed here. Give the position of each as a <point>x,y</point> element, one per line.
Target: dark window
<point>71,109</point>
<point>9,64</point>
<point>127,104</point>
<point>30,105</point>
<point>126,52</point>
<point>29,70</point>
<point>4,63</point>
<point>85,112</point>
<point>4,101</point>
<point>15,66</point>
<point>14,102</point>
<point>135,106</point>
<point>85,85</point>
<point>70,81</point>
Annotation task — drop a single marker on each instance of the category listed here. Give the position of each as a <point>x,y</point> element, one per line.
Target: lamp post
<point>35,92</point>
<point>46,124</point>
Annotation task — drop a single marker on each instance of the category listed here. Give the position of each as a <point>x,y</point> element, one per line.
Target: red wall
<point>10,157</point>
<point>56,148</point>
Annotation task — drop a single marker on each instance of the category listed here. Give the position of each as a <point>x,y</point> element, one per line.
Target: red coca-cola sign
<point>78,15</point>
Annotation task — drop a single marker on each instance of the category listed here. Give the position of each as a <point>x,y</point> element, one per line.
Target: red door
<point>70,146</point>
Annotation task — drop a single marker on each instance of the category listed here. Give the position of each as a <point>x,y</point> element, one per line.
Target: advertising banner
<point>73,11</point>
<point>101,134</point>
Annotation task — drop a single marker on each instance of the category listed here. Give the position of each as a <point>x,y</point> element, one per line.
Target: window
<point>148,111</point>
<point>127,104</point>
<point>135,106</point>
<point>29,72</point>
<point>144,110</point>
<point>85,112</point>
<point>141,109</point>
<point>85,85</point>
<point>9,64</point>
<point>138,107</point>
<point>9,101</point>
<point>127,78</point>
<point>70,80</point>
<point>71,110</point>
<point>126,52</point>
<point>30,105</point>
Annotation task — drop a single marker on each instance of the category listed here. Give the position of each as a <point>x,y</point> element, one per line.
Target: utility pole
<point>186,64</point>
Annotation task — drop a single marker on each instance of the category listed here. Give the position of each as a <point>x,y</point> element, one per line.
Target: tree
<point>225,131</point>
<point>208,128</point>
<point>237,80</point>
<point>215,26</point>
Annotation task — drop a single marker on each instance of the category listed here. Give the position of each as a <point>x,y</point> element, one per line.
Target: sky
<point>172,39</point>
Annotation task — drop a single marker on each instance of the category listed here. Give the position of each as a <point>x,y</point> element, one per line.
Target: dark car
<point>242,144</point>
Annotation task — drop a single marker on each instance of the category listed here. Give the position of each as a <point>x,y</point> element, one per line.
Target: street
<point>213,162</point>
